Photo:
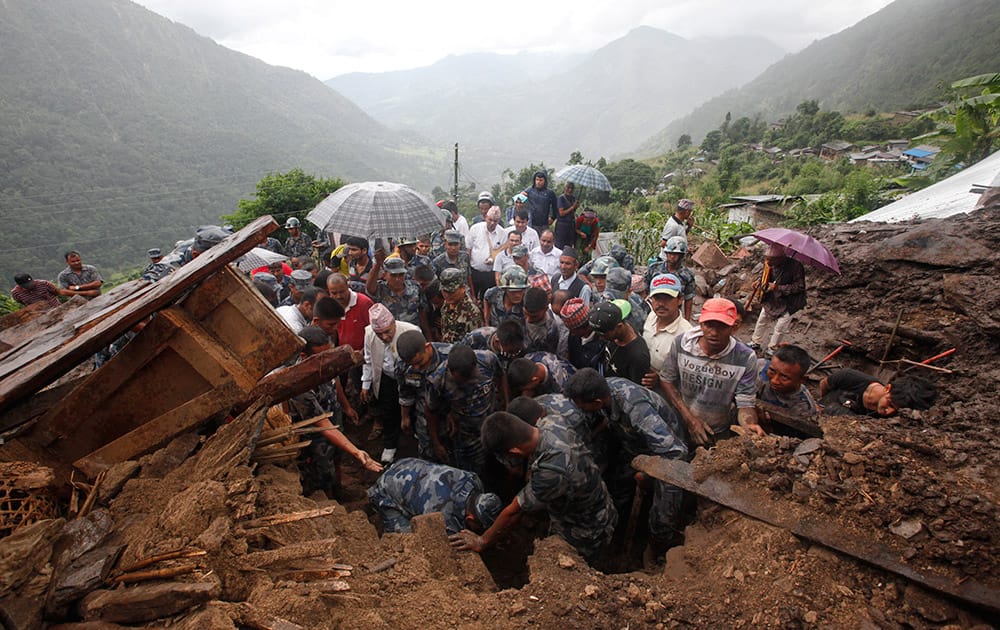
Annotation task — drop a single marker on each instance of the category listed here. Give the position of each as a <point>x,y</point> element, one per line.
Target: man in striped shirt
<point>29,291</point>
<point>707,370</point>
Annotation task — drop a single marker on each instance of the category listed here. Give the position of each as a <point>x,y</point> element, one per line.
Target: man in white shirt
<point>298,316</point>
<point>663,323</point>
<point>378,375</point>
<point>484,242</point>
<point>546,257</point>
<point>528,234</point>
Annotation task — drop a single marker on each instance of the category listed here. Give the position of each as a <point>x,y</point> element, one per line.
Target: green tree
<point>283,195</point>
<point>684,141</point>
<point>627,175</point>
<point>970,124</point>
<point>575,158</point>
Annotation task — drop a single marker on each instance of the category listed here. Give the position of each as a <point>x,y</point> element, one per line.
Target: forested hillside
<point>902,57</point>
<point>122,130</point>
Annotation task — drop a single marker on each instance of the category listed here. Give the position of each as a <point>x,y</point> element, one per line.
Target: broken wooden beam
<point>297,551</point>
<point>288,382</point>
<point>291,517</point>
<point>916,334</point>
<point>814,527</point>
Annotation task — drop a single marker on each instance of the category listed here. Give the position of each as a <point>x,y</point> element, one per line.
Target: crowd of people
<point>518,358</point>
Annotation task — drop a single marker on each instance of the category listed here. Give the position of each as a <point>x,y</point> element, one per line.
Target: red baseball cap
<point>718,310</point>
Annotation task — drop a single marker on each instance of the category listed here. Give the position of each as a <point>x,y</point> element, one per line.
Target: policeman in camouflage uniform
<point>556,408</point>
<point>640,422</point>
<point>454,255</point>
<point>460,394</point>
<point>412,487</point>
<point>407,250</point>
<point>674,252</point>
<point>538,373</point>
<point>298,244</point>
<point>506,341</point>
<point>320,461</point>
<point>625,259</point>
<point>156,268</point>
<point>619,285</point>
<point>506,301</point>
<point>544,331</point>
<point>438,238</point>
<point>401,296</point>
<point>418,360</point>
<point>597,271</point>
<point>459,314</point>
<point>563,481</point>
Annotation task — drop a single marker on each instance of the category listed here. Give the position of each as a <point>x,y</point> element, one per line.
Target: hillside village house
<point>835,149</point>
<point>761,211</point>
<point>921,157</point>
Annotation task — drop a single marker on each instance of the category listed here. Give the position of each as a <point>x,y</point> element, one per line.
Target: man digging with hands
<point>706,371</point>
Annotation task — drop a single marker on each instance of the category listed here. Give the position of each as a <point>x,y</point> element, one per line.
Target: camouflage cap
<point>619,279</point>
<point>406,240</point>
<point>519,251</point>
<point>302,279</point>
<point>394,265</point>
<point>453,236</point>
<point>486,508</point>
<point>514,278</point>
<point>602,264</point>
<point>451,279</point>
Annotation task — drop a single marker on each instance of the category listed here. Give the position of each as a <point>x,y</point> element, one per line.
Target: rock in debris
<point>566,562</point>
<point>808,446</point>
<point>907,528</point>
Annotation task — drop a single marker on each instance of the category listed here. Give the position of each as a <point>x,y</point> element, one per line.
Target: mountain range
<point>901,57</point>
<point>508,110</point>
<point>124,130</point>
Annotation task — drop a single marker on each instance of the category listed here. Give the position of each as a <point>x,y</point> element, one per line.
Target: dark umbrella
<point>377,209</point>
<point>800,247</point>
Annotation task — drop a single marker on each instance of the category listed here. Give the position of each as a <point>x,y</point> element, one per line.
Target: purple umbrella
<point>800,247</point>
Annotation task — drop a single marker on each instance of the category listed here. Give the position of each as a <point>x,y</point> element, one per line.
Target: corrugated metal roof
<point>943,199</point>
<point>918,153</point>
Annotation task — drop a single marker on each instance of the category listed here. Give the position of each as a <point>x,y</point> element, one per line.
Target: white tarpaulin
<point>945,198</point>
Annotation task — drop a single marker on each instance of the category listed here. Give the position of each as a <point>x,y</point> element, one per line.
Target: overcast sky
<point>327,38</point>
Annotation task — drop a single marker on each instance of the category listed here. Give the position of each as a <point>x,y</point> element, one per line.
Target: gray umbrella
<point>377,209</point>
<point>584,175</point>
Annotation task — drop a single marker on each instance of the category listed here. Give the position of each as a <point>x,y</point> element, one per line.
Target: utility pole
<point>454,190</point>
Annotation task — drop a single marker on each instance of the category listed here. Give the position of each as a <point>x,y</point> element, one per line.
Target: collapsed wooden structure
<point>204,339</point>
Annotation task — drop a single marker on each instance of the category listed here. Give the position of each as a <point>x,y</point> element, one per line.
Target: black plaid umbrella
<point>377,209</point>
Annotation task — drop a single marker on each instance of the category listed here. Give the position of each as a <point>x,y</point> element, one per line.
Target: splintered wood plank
<point>160,430</point>
<point>811,526</point>
<point>46,360</point>
<point>228,448</point>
